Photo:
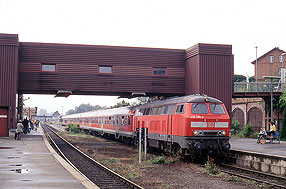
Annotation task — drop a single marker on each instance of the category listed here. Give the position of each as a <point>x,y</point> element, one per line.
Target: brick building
<point>254,110</point>
<point>269,64</point>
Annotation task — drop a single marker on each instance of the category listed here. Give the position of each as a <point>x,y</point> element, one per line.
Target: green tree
<point>239,78</point>
<point>121,104</point>
<point>282,105</point>
<point>251,79</point>
<point>84,108</point>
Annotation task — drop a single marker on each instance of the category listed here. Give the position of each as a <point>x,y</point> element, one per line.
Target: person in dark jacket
<point>25,124</point>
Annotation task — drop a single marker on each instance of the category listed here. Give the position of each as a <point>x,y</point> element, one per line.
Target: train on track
<point>191,125</point>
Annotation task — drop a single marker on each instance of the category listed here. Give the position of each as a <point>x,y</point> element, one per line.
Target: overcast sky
<point>177,24</point>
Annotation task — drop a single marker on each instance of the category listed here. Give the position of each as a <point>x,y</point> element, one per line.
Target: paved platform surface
<point>28,163</point>
<point>247,144</point>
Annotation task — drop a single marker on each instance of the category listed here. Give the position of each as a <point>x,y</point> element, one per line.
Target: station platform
<point>250,145</point>
<point>32,163</point>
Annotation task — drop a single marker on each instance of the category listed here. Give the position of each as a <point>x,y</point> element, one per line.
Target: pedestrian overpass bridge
<point>258,89</point>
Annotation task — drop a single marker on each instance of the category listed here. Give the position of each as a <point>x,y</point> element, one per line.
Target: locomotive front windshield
<point>199,108</point>
<point>217,109</point>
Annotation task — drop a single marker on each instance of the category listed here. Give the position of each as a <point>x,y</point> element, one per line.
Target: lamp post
<point>256,68</point>
<point>282,68</point>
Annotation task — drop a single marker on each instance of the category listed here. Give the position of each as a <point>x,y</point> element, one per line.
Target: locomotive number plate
<point>211,124</point>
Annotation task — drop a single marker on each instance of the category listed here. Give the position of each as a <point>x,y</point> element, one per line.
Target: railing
<point>259,87</point>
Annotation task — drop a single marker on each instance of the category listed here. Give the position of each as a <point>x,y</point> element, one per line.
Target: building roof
<point>276,48</point>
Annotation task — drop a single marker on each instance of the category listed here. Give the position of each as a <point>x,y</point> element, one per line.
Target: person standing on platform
<point>19,130</point>
<point>31,125</point>
<point>25,124</point>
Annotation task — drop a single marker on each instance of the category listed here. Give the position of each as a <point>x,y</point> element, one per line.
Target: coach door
<point>117,122</point>
<point>3,122</point>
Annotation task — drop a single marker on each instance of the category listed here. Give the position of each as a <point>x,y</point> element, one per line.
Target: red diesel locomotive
<point>188,125</point>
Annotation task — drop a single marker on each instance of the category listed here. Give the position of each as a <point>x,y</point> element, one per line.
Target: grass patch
<point>157,160</point>
<point>132,173</point>
<point>111,160</point>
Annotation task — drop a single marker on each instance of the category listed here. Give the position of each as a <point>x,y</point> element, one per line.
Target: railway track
<point>94,171</point>
<point>270,179</point>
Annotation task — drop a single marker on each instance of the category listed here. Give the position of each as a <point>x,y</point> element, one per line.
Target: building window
<point>159,71</point>
<point>105,69</point>
<point>48,67</point>
<point>271,59</point>
<point>281,58</point>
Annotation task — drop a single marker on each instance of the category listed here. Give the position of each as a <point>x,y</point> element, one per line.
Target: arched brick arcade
<point>250,111</point>
<point>238,114</point>
<point>255,118</point>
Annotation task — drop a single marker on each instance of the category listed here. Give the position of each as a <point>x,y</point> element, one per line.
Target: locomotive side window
<point>217,109</point>
<point>129,120</point>
<point>171,109</point>
<point>199,108</point>
<point>180,109</point>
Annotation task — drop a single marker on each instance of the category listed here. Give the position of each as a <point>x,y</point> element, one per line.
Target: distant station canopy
<point>61,93</point>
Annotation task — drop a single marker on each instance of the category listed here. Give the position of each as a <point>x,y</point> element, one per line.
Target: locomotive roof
<point>183,99</point>
<point>126,110</point>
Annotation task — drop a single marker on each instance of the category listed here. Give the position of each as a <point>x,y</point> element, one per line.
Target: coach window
<point>198,108</point>
<point>160,110</point>
<point>105,69</point>
<point>154,111</point>
<point>146,111</point>
<point>165,111</point>
<point>48,68</point>
<point>159,71</point>
<point>122,121</point>
<point>180,109</point>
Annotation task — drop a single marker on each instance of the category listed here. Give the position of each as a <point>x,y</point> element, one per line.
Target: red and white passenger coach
<point>188,125</point>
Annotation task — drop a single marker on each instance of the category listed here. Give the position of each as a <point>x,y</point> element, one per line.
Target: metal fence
<point>259,86</point>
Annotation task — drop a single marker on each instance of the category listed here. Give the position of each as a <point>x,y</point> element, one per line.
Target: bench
<point>262,138</point>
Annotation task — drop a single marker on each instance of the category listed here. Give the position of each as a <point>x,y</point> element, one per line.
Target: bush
<point>235,126</point>
<point>74,128</point>
<point>158,160</point>
<point>246,131</point>
<point>254,135</point>
<point>211,168</point>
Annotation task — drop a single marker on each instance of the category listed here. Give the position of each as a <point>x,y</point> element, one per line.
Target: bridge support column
<point>9,60</point>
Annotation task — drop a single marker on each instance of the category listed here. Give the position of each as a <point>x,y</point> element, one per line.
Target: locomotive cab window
<point>180,109</point>
<point>198,108</point>
<point>217,109</point>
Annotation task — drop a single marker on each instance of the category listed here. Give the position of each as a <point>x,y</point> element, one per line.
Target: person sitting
<point>261,136</point>
<point>272,129</point>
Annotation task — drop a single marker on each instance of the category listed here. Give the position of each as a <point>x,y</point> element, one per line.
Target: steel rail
<point>250,174</point>
<point>97,173</point>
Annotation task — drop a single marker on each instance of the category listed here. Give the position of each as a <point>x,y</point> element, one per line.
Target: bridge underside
<point>45,68</point>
